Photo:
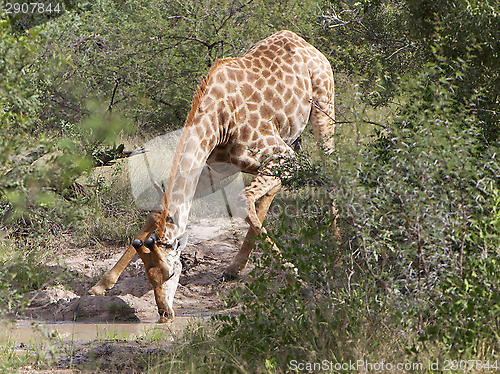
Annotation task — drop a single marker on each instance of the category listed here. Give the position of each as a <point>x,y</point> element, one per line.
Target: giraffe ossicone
<point>246,113</point>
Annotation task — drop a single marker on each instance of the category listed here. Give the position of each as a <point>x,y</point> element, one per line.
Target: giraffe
<point>246,112</point>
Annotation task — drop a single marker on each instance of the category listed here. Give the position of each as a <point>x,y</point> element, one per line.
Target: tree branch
<point>110,107</point>
<point>109,156</point>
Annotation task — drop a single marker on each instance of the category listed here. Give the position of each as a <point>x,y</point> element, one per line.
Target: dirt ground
<point>201,291</point>
<point>211,247</point>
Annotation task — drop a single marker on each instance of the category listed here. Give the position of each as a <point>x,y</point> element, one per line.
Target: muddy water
<point>26,333</point>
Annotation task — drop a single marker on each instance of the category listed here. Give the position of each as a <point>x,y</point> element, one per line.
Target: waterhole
<point>29,333</point>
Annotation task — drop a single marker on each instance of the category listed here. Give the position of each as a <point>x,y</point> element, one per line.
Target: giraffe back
<point>266,97</point>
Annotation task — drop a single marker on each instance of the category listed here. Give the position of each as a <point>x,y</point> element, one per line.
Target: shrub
<point>418,262</point>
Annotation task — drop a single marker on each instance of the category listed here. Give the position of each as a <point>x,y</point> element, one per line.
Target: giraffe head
<point>161,256</point>
<point>167,243</point>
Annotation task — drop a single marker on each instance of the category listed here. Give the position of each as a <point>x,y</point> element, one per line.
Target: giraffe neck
<point>191,155</point>
<point>201,134</point>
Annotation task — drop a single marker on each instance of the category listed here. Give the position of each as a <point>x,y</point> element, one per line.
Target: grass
<point>38,352</point>
<point>10,360</point>
<point>118,308</point>
<point>21,271</point>
<point>109,213</point>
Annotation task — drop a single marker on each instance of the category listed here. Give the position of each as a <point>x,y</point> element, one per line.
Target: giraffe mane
<point>202,88</point>
<point>189,121</point>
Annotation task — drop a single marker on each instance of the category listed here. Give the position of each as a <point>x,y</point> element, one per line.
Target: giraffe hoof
<point>226,277</point>
<point>97,290</point>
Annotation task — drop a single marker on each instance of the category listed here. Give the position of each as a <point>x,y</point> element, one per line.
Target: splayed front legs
<point>163,266</point>
<point>110,277</point>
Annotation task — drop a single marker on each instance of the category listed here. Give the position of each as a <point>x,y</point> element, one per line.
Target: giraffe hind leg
<point>322,119</point>
<point>256,198</point>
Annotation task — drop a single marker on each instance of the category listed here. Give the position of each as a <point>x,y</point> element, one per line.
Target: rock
<point>97,308</point>
<point>49,296</point>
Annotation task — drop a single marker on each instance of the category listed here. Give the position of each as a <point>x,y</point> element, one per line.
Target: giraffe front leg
<point>108,280</point>
<point>240,260</point>
<point>253,204</point>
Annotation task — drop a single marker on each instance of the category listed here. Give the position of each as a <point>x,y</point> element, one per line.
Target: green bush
<point>416,275</point>
<point>418,262</point>
<point>21,271</point>
<point>145,59</point>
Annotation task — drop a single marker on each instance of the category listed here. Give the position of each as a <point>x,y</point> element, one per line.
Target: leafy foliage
<point>419,210</point>
<point>19,102</point>
<point>419,254</point>
<point>385,41</point>
<point>149,67</point>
